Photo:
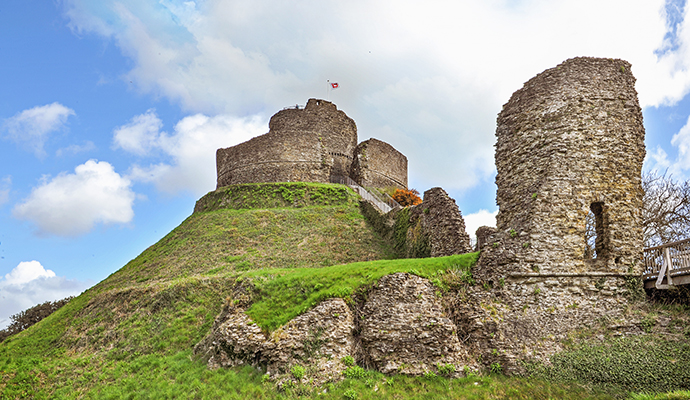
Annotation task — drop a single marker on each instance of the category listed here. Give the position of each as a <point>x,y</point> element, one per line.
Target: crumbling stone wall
<point>378,164</point>
<point>569,142</point>
<point>484,235</point>
<point>442,222</point>
<point>531,318</point>
<point>433,228</point>
<point>307,145</point>
<point>313,144</point>
<point>401,326</point>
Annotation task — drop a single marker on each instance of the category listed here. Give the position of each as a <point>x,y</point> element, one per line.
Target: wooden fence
<point>667,265</point>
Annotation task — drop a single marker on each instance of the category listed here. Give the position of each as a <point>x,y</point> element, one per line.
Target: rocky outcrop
<point>405,329</point>
<point>442,223</point>
<point>319,339</point>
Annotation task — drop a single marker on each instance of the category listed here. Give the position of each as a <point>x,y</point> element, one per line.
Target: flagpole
<point>328,89</point>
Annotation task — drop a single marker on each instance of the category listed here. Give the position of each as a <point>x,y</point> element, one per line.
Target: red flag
<point>334,85</point>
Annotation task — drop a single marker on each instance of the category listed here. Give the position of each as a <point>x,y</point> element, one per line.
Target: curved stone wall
<point>307,145</point>
<point>569,142</point>
<point>378,164</point>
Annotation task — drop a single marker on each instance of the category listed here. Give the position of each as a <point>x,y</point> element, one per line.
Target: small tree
<point>407,197</point>
<point>31,316</point>
<point>665,210</point>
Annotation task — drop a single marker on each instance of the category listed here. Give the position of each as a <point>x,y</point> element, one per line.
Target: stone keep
<point>314,144</point>
<point>571,142</point>
<point>302,145</point>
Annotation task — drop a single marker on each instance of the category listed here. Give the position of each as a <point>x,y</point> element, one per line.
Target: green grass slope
<point>277,248</point>
<point>316,225</point>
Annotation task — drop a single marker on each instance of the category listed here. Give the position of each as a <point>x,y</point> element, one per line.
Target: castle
<point>570,148</point>
<point>317,143</point>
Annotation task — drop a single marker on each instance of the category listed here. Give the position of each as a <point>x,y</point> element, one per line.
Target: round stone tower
<point>306,145</point>
<point>570,144</point>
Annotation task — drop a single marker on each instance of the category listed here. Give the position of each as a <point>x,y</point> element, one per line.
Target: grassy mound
<point>226,240</point>
<point>131,335</point>
<point>284,294</point>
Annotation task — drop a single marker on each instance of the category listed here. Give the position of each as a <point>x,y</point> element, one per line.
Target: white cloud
<point>140,135</point>
<point>27,271</point>
<point>480,218</point>
<point>191,147</point>
<point>681,141</point>
<point>29,284</point>
<point>5,185</point>
<point>76,149</point>
<point>71,204</point>
<point>31,127</point>
<point>678,167</point>
<point>427,78</point>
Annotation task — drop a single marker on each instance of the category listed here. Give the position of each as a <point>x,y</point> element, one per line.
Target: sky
<point>111,110</point>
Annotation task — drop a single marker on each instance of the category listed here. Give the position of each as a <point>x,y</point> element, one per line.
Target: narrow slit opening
<point>595,232</point>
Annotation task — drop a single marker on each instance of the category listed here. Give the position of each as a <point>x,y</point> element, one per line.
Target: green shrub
<point>355,372</point>
<point>496,368</point>
<point>350,394</point>
<point>430,375</point>
<point>639,364</point>
<point>445,369</point>
<point>298,372</point>
<point>348,361</point>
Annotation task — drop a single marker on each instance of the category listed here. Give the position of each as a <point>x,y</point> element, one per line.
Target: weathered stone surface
<point>238,341</point>
<point>320,338</point>
<point>378,164</point>
<point>442,222</point>
<point>317,340</point>
<point>313,144</point>
<point>570,141</point>
<point>405,329</point>
<point>529,318</point>
<point>483,235</point>
<point>308,144</point>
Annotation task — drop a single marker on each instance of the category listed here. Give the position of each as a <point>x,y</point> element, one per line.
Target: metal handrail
<point>383,206</point>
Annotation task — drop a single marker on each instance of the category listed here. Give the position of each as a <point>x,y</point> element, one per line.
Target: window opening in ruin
<point>594,231</point>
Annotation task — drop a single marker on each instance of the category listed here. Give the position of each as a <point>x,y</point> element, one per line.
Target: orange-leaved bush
<point>407,197</point>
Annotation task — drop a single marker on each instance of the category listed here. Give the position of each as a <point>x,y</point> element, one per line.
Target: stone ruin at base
<point>317,143</point>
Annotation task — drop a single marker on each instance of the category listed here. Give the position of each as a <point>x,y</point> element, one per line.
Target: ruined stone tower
<point>571,142</point>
